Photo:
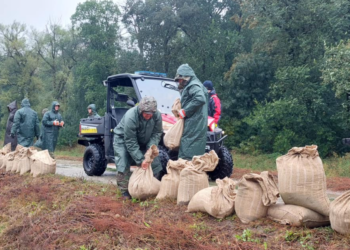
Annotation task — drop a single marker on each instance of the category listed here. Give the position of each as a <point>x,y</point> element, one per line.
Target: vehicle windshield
<point>165,92</point>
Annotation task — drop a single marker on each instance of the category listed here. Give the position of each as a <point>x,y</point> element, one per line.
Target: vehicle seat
<point>118,114</point>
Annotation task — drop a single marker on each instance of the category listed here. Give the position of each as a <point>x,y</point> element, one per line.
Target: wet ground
<point>75,169</point>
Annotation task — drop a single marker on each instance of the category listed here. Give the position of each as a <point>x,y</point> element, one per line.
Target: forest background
<point>281,67</point>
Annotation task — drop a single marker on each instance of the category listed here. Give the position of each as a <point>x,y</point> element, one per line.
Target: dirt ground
<point>57,212</point>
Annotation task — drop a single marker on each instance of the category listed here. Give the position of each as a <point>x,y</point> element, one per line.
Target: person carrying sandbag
<point>139,129</point>
<point>194,111</point>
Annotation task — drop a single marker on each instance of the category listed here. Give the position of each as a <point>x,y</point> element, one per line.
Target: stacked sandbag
<point>170,182</point>
<point>217,201</point>
<point>42,163</point>
<point>194,178</point>
<point>296,216</point>
<point>256,192</point>
<point>25,161</point>
<point>173,136</point>
<point>8,160</point>
<point>15,165</point>
<point>142,184</point>
<point>340,213</point>
<point>5,150</point>
<point>302,180</point>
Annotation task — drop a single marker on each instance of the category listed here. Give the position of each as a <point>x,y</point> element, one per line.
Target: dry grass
<point>54,212</point>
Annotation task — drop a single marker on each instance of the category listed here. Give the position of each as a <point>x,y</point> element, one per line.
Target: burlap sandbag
<point>172,138</point>
<point>142,184</point>
<point>217,201</point>
<point>42,163</point>
<point>9,160</point>
<point>25,162</point>
<point>170,182</point>
<point>18,155</point>
<point>340,213</point>
<point>194,178</point>
<point>5,150</point>
<point>302,180</point>
<point>255,193</point>
<point>296,216</point>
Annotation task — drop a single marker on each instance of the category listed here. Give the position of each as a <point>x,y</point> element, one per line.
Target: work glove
<point>56,123</point>
<point>144,165</point>
<point>12,135</point>
<point>182,113</point>
<point>62,123</point>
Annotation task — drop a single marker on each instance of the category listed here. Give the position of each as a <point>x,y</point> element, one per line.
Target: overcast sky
<point>37,13</point>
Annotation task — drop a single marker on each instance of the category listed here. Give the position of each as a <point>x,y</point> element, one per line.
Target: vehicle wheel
<point>94,161</point>
<point>225,165</point>
<point>164,158</point>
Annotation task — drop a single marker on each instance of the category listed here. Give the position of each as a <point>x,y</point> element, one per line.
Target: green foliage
<point>247,236</point>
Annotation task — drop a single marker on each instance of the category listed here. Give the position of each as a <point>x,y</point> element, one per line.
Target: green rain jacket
<point>25,124</point>
<point>194,101</point>
<point>138,135</point>
<point>94,112</point>
<point>51,132</point>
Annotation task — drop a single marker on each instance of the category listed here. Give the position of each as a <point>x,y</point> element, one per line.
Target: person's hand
<point>56,123</point>
<point>12,135</point>
<point>182,113</point>
<point>62,123</point>
<point>144,165</point>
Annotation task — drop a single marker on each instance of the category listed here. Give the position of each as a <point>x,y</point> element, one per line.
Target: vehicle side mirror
<point>130,103</point>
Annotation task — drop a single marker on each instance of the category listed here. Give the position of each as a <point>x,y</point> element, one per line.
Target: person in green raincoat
<point>52,122</point>
<point>39,142</point>
<point>194,103</point>
<point>92,113</point>
<point>25,125</point>
<point>139,129</point>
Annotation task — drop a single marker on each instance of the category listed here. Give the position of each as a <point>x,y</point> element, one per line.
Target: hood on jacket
<point>93,108</point>
<point>12,106</point>
<point>54,103</point>
<point>25,103</point>
<point>185,70</point>
<point>148,104</point>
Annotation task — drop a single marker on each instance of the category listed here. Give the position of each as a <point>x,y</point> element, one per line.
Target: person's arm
<point>198,99</point>
<point>157,131</point>
<point>16,123</point>
<point>217,109</point>
<point>130,138</point>
<point>46,120</point>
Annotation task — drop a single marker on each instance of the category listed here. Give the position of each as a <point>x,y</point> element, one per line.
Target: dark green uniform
<point>194,101</point>
<point>133,136</point>
<point>25,124</point>
<point>51,131</point>
<point>94,112</point>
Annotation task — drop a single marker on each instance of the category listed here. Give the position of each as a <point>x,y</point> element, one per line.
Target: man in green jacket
<point>52,122</point>
<point>194,103</point>
<point>92,113</point>
<point>25,125</point>
<point>139,129</point>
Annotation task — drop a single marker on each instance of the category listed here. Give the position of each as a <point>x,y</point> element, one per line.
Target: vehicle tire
<point>164,158</point>
<point>225,165</point>
<point>94,161</point>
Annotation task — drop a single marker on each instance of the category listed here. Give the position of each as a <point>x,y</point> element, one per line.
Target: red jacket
<point>214,106</point>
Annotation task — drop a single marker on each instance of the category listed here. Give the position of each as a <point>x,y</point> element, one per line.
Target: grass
<point>55,212</point>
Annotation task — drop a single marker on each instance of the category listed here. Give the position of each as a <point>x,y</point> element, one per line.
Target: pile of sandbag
<point>3,152</point>
<point>41,163</point>
<point>256,192</point>
<point>173,136</point>
<point>218,201</point>
<point>194,178</point>
<point>302,186</point>
<point>142,183</point>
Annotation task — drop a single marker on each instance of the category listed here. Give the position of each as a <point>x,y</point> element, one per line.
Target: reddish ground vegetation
<point>54,212</point>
